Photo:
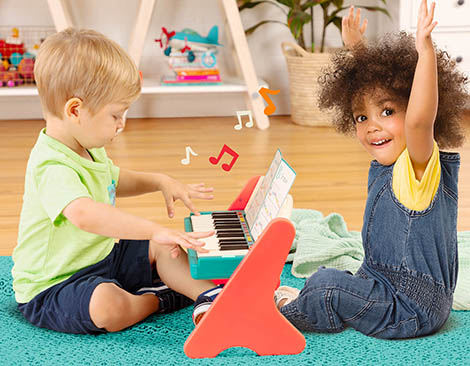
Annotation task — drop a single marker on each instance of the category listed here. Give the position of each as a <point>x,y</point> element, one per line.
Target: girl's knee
<point>327,277</point>
<point>108,304</point>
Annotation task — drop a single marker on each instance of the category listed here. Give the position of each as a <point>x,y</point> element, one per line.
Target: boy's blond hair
<point>87,65</point>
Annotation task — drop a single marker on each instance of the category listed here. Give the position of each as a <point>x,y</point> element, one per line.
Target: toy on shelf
<point>13,44</point>
<point>18,50</point>
<point>191,57</point>
<point>10,77</point>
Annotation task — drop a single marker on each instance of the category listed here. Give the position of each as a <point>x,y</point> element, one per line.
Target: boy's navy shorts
<point>65,307</point>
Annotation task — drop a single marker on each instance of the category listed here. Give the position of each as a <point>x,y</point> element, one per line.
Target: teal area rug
<point>159,340</point>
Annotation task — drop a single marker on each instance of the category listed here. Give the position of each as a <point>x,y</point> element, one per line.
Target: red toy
<point>6,49</point>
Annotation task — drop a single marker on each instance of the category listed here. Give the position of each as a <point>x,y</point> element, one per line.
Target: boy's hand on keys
<point>173,190</point>
<point>351,30</point>
<point>425,27</point>
<point>174,239</point>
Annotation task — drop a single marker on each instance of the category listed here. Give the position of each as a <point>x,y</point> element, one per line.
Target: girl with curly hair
<point>403,100</point>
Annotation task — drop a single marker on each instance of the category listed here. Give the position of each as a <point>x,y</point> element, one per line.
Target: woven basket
<point>304,69</point>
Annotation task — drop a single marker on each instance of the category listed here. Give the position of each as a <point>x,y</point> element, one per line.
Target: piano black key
<point>233,244</point>
<point>227,226</point>
<point>226,221</point>
<point>234,247</point>
<point>224,215</point>
<point>229,230</point>
<point>234,223</point>
<point>223,242</point>
<point>230,235</point>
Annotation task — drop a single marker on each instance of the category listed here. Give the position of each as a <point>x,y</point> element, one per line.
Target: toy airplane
<point>189,41</point>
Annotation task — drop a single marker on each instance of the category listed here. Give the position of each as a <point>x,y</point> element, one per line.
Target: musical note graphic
<point>271,108</point>
<point>225,149</point>
<point>249,124</point>
<point>186,160</point>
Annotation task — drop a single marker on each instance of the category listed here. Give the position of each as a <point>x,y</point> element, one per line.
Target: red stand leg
<point>244,314</point>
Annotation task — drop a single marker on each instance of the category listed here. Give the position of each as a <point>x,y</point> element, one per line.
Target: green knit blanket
<point>326,241</point>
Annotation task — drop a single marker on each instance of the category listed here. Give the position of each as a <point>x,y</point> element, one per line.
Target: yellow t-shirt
<point>412,193</point>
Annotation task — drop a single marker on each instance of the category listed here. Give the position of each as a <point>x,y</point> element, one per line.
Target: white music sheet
<point>267,202</point>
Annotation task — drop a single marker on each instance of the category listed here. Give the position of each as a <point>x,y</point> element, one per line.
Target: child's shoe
<point>285,293</point>
<point>204,301</point>
<point>169,299</point>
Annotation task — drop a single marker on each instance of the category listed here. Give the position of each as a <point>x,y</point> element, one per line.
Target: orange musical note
<point>271,108</point>
<point>225,149</point>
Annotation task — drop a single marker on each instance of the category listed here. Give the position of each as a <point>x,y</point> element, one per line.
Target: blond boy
<point>69,275</point>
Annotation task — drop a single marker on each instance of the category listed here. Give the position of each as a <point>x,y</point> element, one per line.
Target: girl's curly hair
<point>389,64</point>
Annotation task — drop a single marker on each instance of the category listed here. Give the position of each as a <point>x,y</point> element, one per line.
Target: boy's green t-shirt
<point>50,248</point>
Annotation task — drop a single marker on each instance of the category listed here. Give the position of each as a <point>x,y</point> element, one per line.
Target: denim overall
<point>404,288</point>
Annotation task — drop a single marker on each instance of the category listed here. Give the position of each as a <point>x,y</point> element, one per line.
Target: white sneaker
<point>285,293</point>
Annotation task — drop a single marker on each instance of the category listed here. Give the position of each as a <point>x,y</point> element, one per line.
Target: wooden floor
<point>331,169</point>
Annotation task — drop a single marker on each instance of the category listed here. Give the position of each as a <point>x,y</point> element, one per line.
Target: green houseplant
<point>301,12</point>
<point>304,63</point>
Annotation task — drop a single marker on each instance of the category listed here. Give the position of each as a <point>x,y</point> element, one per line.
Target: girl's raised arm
<point>422,105</point>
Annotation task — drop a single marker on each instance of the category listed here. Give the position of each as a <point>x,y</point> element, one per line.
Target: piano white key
<point>223,253</point>
<point>211,243</point>
<point>202,223</point>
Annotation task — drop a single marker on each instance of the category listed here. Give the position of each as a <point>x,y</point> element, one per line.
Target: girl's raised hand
<point>352,31</point>
<point>425,26</point>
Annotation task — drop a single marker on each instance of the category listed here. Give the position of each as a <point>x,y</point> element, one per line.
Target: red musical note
<point>225,149</point>
<point>271,108</point>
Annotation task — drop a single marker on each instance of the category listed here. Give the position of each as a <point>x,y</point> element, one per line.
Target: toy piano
<point>236,230</point>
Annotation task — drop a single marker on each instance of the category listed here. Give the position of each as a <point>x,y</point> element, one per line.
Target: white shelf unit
<point>248,84</point>
<point>153,86</point>
<point>149,86</point>
<point>19,91</point>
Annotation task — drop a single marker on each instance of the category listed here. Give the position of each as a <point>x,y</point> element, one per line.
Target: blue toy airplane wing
<point>213,36</point>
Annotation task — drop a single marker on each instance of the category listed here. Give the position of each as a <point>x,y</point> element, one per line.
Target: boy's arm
<point>132,183</point>
<point>103,219</point>
<point>422,105</point>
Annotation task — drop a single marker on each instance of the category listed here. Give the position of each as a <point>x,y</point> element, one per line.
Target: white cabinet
<point>453,29</point>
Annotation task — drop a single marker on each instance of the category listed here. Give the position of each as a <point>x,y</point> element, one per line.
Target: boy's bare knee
<point>108,304</point>
<point>157,250</point>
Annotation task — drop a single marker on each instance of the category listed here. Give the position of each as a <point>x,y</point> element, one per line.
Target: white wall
<point>115,18</point>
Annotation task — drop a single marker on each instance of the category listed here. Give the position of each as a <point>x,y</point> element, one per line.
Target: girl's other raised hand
<point>425,26</point>
<point>352,31</point>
